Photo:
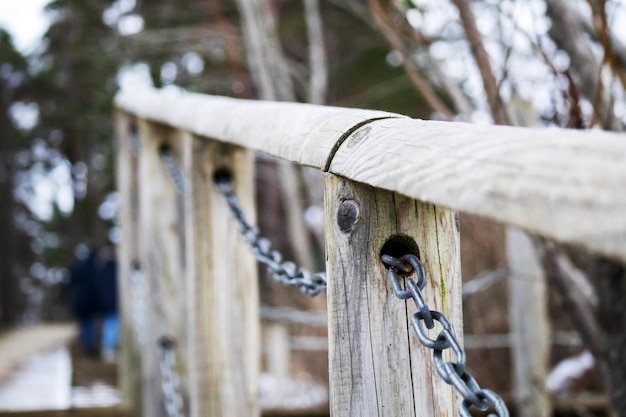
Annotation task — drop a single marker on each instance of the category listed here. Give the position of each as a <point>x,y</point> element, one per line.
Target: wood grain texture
<point>127,177</point>
<point>377,366</point>
<point>301,133</point>
<point>564,184</point>
<point>223,293</point>
<point>161,239</point>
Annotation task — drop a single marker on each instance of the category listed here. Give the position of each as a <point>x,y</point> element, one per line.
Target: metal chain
<point>139,310</point>
<point>170,380</point>
<point>173,168</point>
<point>453,373</point>
<point>285,272</point>
<point>135,138</point>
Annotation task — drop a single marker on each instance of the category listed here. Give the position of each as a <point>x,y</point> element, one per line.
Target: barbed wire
<point>452,373</point>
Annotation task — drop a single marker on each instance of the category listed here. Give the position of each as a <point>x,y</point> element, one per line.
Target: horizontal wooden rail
<point>302,133</point>
<point>564,184</point>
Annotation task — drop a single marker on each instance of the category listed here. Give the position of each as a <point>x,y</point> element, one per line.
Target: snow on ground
<point>42,383</point>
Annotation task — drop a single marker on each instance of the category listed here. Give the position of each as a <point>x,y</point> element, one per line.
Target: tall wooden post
<point>128,256</point>
<point>377,365</point>
<point>224,353</point>
<point>530,325</point>
<point>162,260</point>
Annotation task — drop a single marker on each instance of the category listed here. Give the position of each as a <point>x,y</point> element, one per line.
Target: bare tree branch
<point>609,43</point>
<point>569,36</point>
<point>386,27</point>
<point>482,61</point>
<point>272,75</point>
<point>318,79</point>
<point>233,46</point>
<point>266,59</point>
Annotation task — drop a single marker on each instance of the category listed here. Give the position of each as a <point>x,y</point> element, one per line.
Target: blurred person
<point>83,299</point>
<point>94,302</point>
<point>106,292</point>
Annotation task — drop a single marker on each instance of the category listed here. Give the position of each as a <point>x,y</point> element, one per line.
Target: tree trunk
<point>8,253</point>
<point>609,279</point>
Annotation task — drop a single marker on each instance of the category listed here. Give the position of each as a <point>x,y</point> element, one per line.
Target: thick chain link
<point>173,168</point>
<point>170,380</point>
<point>285,272</point>
<point>452,372</point>
<point>139,294</point>
<point>135,138</point>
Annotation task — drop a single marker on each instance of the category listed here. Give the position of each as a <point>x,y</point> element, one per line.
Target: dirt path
<point>18,345</point>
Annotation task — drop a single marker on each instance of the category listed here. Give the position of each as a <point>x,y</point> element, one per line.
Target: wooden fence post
<point>530,325</point>
<point>377,365</point>
<point>278,356</point>
<point>127,256</point>
<point>224,327</point>
<point>162,260</point>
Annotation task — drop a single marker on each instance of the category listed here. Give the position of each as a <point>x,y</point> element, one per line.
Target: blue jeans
<point>88,334</point>
<point>110,332</point>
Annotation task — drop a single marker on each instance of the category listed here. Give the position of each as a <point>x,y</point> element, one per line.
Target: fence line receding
<point>392,186</point>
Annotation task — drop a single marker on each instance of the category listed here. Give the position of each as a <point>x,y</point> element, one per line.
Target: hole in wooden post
<point>166,342</point>
<point>398,246</point>
<point>222,175</point>
<point>165,149</point>
<point>133,129</point>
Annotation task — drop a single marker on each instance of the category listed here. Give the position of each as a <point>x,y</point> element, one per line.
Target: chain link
<point>135,138</point>
<point>170,380</point>
<point>173,168</point>
<point>139,309</point>
<point>285,272</point>
<point>452,372</point>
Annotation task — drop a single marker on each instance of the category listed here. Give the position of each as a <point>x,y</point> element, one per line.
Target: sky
<point>25,20</point>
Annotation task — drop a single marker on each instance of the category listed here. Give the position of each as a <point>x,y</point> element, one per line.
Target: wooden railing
<point>391,184</point>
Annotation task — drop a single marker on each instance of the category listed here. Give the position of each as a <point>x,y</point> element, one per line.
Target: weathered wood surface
<point>530,325</point>
<point>302,133</point>
<point>223,294</point>
<point>564,184</point>
<point>278,357</point>
<point>127,177</point>
<point>377,365</point>
<point>162,259</point>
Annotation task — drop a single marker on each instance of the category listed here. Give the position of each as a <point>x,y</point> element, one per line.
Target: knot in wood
<point>347,215</point>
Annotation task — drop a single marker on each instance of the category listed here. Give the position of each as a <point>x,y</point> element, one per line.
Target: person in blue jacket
<point>93,286</point>
<point>106,292</point>
<point>83,299</point>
